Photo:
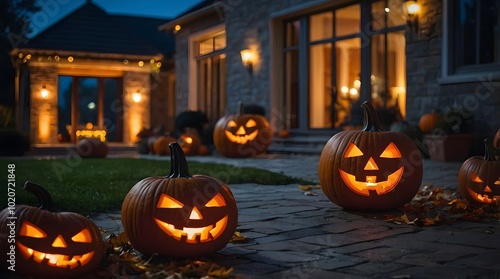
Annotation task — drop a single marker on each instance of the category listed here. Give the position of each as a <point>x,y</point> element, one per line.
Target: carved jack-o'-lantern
<point>370,168</point>
<point>190,141</point>
<point>52,244</point>
<point>479,178</point>
<point>179,215</point>
<point>242,135</point>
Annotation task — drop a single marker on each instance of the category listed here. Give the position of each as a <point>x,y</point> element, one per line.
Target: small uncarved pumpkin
<point>428,121</point>
<point>92,148</point>
<point>242,135</point>
<point>479,178</point>
<point>50,244</point>
<point>179,215</point>
<point>370,169</point>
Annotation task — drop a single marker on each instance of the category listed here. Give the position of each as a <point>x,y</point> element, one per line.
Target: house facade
<point>312,62</point>
<point>95,75</point>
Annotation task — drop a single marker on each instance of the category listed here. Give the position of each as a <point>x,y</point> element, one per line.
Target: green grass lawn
<point>94,185</point>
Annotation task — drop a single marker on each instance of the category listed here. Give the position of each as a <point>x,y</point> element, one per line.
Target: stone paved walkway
<point>292,235</point>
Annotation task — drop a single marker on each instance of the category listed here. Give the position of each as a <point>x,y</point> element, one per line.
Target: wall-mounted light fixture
<point>44,92</point>
<point>247,58</point>
<point>137,96</point>
<point>412,8</point>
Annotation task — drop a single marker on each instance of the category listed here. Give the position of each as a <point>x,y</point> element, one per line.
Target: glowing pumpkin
<point>242,135</point>
<point>190,141</point>
<point>370,168</point>
<point>479,178</point>
<point>179,215</point>
<point>51,244</point>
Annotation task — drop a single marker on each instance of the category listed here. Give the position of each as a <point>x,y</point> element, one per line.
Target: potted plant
<point>450,139</point>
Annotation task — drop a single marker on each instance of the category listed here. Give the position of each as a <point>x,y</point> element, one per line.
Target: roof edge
<point>112,56</point>
<point>214,7</point>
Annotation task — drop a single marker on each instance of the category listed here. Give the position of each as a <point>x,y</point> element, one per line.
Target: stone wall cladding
<point>39,77</point>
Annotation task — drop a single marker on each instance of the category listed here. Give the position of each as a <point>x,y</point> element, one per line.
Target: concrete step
<point>299,144</point>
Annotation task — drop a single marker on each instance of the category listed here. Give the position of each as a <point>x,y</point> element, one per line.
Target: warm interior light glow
<point>59,242</point>
<point>188,140</point>
<point>177,27</point>
<point>83,236</point>
<point>412,7</point>
<point>70,59</point>
<point>89,126</point>
<point>100,134</point>
<point>168,202</point>
<point>28,229</point>
<point>137,97</point>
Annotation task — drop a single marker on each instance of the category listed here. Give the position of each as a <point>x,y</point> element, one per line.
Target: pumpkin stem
<point>488,151</point>
<point>370,117</point>
<point>44,198</point>
<point>240,108</point>
<point>178,163</point>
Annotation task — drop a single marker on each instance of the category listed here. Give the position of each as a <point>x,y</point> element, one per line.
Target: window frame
<point>450,72</point>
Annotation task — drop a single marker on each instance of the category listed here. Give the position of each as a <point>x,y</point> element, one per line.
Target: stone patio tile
<point>309,273</point>
<point>257,269</point>
<point>382,254</point>
<point>286,245</point>
<point>371,268</point>
<point>357,247</point>
<point>246,218</point>
<point>337,260</point>
<point>284,258</point>
<point>488,258</point>
<point>474,239</point>
<point>443,271</point>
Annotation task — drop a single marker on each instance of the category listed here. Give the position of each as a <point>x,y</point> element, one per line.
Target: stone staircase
<point>299,144</point>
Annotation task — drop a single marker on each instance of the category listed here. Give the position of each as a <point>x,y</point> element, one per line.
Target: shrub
<point>13,143</point>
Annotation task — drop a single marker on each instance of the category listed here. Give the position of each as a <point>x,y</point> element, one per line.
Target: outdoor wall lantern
<point>137,96</point>
<point>247,58</point>
<point>412,9</point>
<point>44,92</point>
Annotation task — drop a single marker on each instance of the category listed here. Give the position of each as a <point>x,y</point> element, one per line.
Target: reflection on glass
<point>347,20</point>
<point>110,107</point>
<point>321,26</point>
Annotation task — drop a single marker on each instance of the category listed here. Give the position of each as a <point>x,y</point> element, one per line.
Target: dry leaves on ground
<point>122,261</point>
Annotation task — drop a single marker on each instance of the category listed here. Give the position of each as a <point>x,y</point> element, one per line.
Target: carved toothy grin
<point>364,187</point>
<point>207,233</point>
<point>55,260</point>
<point>483,198</point>
<point>241,139</point>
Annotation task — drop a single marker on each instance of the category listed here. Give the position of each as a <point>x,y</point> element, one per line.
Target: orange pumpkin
<point>242,135</point>
<point>50,244</point>
<point>479,178</point>
<point>428,121</point>
<point>370,169</point>
<point>179,215</point>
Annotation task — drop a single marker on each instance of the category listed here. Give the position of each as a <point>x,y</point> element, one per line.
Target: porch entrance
<point>89,103</point>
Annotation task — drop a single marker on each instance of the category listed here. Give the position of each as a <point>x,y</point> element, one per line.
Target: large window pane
<point>64,108</point>
<point>111,109</point>
<point>321,26</point>
<point>212,86</point>
<point>88,101</point>
<point>292,33</point>
<point>348,70</point>
<point>347,20</point>
<point>320,86</point>
<point>291,98</point>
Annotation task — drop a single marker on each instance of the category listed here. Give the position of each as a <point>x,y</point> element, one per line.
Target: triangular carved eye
<point>83,236</point>
<point>232,124</point>
<point>30,230</point>
<point>475,178</point>
<point>217,201</point>
<point>167,201</point>
<point>391,151</point>
<point>352,151</point>
<point>251,123</point>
